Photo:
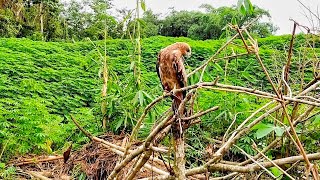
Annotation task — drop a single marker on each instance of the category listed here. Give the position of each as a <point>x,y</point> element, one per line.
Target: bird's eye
<point>188,50</point>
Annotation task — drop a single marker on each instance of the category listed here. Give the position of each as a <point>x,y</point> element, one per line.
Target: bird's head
<point>185,49</point>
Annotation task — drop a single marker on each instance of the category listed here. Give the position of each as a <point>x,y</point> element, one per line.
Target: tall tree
<point>75,20</point>
<point>48,17</point>
<point>11,17</point>
<point>100,20</point>
<point>150,24</point>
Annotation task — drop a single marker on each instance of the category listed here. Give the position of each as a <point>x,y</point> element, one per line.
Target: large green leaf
<point>265,129</point>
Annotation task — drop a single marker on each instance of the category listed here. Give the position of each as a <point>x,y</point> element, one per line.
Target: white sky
<point>281,10</point>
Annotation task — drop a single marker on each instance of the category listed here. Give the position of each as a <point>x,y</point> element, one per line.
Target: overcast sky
<point>280,10</point>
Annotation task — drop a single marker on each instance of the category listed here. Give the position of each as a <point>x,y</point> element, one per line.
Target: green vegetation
<point>41,83</point>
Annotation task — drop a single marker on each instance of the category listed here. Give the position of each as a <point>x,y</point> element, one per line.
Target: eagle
<point>171,70</point>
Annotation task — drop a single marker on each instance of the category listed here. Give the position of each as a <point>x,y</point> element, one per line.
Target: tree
<point>151,24</point>
<point>75,20</point>
<point>91,23</point>
<point>100,20</point>
<point>44,17</point>
<point>263,29</point>
<point>178,23</point>
<point>11,17</point>
<point>209,25</point>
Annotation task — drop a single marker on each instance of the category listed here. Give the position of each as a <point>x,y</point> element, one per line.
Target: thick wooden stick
<point>241,169</point>
<point>37,175</point>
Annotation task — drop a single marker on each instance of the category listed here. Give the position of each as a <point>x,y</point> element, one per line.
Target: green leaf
<point>147,95</point>
<point>276,172</point>
<point>218,67</point>
<point>239,4</point>
<point>143,5</point>
<point>119,123</point>
<point>259,126</point>
<point>142,22</point>
<point>248,6</point>
<point>279,130</point>
<point>141,97</point>
<point>263,130</point>
<point>251,7</point>
<point>243,10</point>
<point>2,165</point>
<point>247,75</point>
<point>317,120</point>
<point>234,20</point>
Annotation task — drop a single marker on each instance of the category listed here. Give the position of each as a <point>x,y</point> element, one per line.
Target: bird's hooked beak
<point>188,54</point>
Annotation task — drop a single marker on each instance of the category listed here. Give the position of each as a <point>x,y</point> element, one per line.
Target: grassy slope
<point>42,82</point>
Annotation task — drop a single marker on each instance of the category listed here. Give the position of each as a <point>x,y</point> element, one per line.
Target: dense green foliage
<point>211,24</point>
<point>76,20</point>
<point>41,83</point>
<point>33,18</point>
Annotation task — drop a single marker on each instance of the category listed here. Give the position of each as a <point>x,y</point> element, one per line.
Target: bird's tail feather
<point>177,99</point>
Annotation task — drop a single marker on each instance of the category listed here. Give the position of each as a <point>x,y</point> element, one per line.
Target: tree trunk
<point>179,149</point>
<point>41,17</point>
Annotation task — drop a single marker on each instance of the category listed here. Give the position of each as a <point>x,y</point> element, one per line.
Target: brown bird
<point>171,70</point>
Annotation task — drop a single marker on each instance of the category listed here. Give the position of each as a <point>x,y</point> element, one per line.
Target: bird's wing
<point>179,68</point>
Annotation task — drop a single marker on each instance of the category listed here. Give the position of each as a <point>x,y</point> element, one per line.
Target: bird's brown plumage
<point>171,70</point>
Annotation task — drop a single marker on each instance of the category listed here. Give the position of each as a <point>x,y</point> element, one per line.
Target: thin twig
<point>283,171</point>
<point>200,114</point>
<point>256,162</point>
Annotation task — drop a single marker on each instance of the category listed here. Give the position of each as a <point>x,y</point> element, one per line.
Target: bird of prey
<point>171,70</point>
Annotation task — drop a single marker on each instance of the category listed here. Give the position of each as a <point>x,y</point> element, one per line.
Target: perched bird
<point>171,70</point>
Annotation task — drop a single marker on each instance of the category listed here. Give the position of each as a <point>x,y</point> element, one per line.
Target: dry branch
<point>200,114</point>
<point>35,161</point>
<point>37,175</point>
<point>230,88</point>
<point>256,162</point>
<point>252,168</point>
<point>146,145</point>
<point>274,164</point>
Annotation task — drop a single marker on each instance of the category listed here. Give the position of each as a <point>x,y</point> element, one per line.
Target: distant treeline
<point>52,20</point>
